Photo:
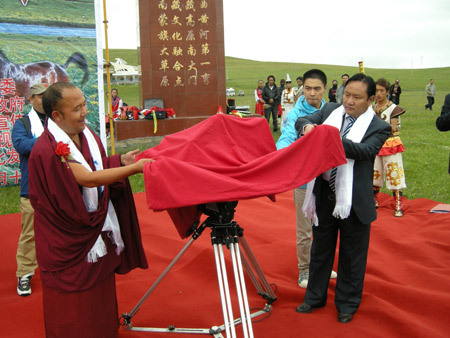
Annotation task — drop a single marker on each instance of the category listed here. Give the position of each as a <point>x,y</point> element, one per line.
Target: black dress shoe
<point>344,317</point>
<point>304,308</point>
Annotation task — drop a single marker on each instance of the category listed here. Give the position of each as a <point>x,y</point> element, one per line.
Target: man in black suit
<point>443,121</point>
<point>341,199</point>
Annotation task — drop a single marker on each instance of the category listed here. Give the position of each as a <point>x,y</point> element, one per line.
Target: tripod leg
<point>238,289</point>
<point>127,317</point>
<point>224,291</point>
<point>257,268</point>
<point>241,287</point>
<point>251,274</point>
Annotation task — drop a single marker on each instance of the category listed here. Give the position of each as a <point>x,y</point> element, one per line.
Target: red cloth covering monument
<point>227,158</point>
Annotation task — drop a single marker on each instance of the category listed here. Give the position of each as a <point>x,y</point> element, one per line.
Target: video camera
<point>219,212</point>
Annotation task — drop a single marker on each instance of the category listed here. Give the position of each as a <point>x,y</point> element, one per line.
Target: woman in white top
<point>287,99</point>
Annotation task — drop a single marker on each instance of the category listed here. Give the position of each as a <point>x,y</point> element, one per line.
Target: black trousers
<point>274,111</point>
<point>353,246</point>
<point>430,102</point>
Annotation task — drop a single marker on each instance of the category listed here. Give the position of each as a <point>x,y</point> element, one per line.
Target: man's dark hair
<point>371,86</point>
<point>383,83</point>
<point>299,78</point>
<point>53,95</point>
<point>345,75</point>
<point>315,74</point>
<point>271,76</point>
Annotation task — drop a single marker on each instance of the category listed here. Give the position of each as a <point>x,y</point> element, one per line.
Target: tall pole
<point>108,81</point>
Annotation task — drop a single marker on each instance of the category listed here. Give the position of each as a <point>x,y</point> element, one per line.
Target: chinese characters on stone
<point>179,42</point>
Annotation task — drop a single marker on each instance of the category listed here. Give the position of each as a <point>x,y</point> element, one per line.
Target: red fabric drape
<point>226,158</point>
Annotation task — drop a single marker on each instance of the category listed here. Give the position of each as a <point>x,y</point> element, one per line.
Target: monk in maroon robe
<point>86,226</point>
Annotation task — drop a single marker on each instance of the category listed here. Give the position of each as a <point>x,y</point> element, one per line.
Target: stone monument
<point>182,60</point>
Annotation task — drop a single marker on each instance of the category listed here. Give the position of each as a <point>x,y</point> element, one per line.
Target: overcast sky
<point>382,33</point>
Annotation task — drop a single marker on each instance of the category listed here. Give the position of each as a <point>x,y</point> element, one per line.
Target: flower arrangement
<point>63,150</point>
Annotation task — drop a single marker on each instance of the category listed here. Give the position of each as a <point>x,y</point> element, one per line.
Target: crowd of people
<point>81,229</point>
<point>345,200</point>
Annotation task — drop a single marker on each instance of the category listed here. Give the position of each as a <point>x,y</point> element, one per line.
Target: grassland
<point>427,149</point>
<point>68,13</point>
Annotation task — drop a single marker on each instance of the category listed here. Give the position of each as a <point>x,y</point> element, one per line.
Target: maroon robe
<point>65,232</point>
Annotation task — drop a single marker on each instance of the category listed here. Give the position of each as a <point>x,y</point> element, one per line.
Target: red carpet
<point>406,292</point>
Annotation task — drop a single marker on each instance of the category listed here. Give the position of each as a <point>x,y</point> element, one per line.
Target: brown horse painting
<point>28,74</point>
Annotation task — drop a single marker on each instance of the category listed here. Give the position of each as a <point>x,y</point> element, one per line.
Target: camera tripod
<point>224,232</point>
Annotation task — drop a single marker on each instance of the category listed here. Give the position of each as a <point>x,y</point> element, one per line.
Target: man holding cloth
<point>341,201</point>
<point>85,220</point>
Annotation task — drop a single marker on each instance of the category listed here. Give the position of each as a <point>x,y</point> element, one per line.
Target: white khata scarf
<point>36,125</point>
<point>344,175</point>
<point>90,195</point>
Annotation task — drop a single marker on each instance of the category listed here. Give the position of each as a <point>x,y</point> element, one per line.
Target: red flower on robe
<point>63,150</point>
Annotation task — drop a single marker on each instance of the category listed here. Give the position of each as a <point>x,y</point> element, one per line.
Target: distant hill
<point>240,71</point>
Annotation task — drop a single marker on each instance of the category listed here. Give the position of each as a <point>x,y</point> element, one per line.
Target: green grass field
<point>68,13</point>
<point>427,149</point>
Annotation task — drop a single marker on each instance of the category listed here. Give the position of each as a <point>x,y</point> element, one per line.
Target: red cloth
<point>65,231</point>
<point>259,106</point>
<point>259,109</point>
<point>226,158</point>
<point>115,101</point>
<point>170,112</point>
<point>392,150</point>
<point>126,109</point>
<point>280,110</point>
<point>91,313</point>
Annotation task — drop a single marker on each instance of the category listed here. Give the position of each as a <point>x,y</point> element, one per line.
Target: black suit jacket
<point>363,153</point>
<point>443,121</point>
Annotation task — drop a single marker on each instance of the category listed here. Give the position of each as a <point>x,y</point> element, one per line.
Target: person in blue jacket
<point>24,135</point>
<point>314,87</point>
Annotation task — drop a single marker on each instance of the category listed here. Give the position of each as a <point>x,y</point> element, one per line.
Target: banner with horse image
<point>46,41</point>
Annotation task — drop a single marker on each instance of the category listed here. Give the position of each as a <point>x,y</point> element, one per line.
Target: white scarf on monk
<point>36,124</point>
<point>90,195</point>
<point>344,175</point>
